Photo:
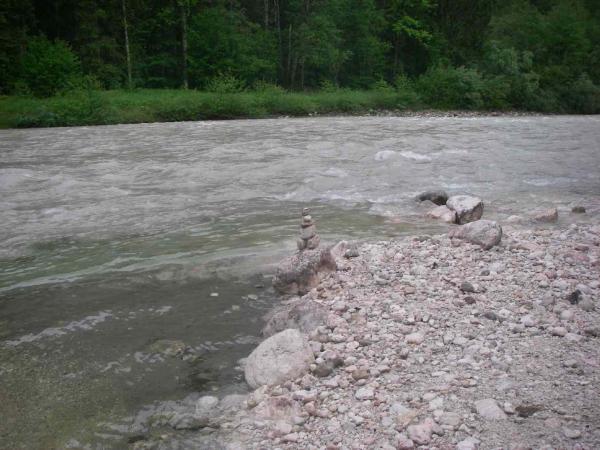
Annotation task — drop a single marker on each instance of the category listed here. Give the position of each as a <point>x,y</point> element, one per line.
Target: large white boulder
<point>284,356</point>
<point>485,233</point>
<point>468,208</point>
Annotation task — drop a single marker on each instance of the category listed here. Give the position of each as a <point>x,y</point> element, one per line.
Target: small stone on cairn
<point>309,239</point>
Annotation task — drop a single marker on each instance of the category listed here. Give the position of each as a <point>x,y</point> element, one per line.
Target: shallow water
<point>115,237</point>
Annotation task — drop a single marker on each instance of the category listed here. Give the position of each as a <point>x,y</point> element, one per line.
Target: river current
<point>113,238</point>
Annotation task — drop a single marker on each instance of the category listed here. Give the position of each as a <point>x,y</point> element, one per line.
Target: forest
<point>250,58</point>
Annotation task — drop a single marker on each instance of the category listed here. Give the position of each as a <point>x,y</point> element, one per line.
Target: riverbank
<point>438,344</point>
<point>162,105</point>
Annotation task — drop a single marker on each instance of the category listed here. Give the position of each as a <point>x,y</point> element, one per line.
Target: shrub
<point>449,87</point>
<point>225,84</point>
<point>582,96</point>
<point>48,67</point>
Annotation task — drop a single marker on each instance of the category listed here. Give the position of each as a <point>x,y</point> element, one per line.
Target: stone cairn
<point>309,239</point>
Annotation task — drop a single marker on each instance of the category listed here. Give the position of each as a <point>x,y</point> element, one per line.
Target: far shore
<point>86,108</point>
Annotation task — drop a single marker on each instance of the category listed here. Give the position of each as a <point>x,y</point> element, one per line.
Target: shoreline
<point>95,108</point>
<point>440,344</point>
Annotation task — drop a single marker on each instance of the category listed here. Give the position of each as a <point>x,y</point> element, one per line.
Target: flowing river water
<point>114,239</point>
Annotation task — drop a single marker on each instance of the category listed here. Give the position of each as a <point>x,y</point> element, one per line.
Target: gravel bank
<point>436,343</point>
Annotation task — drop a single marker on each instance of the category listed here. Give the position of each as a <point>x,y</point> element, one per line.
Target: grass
<point>163,105</point>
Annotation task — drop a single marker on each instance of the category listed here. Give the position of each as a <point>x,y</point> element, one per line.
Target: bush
<point>225,84</point>
<point>49,67</point>
<point>449,87</point>
<point>583,96</point>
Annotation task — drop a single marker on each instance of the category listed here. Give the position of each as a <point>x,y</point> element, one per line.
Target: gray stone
<point>469,443</point>
<point>282,357</point>
<point>443,213</point>
<point>421,433</point>
<point>468,208</point>
<point>489,409</point>
<point>300,273</point>
<point>364,393</point>
<point>546,215</point>
<point>578,209</point>
<point>485,233</point>
<point>303,315</point>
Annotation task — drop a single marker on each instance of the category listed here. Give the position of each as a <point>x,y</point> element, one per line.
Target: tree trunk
<point>289,59</point>
<point>280,45</point>
<point>184,46</point>
<point>127,52</point>
<point>266,2</point>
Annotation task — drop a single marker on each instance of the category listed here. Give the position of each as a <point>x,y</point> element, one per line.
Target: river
<point>113,238</point>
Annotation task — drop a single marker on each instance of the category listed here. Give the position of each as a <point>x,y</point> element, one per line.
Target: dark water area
<point>114,239</point>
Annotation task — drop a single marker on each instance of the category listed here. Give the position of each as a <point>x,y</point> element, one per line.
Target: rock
<point>468,208</point>
<point>558,331</point>
<point>578,209</point>
<point>404,443</point>
<point>442,213</point>
<point>489,409</point>
<point>574,297</point>
<point>188,422</point>
<point>364,393</point>
<point>284,356</point>
<point>571,433</point>
<point>469,443</point>
<point>465,286</point>
<point>527,410</point>
<point>168,347</point>
<point>587,304</point>
<point>415,338</point>
<point>437,197</point>
<point>277,408</point>
<point>300,273</point>
<point>300,314</point>
<point>546,215</point>
<point>421,433</point>
<point>205,404</point>
<point>485,233</point>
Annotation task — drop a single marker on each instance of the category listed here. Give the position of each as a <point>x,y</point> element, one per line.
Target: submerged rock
<point>282,357</point>
<point>485,233</point>
<point>578,209</point>
<point>300,273</point>
<point>303,315</point>
<point>468,208</point>
<point>168,347</point>
<point>437,197</point>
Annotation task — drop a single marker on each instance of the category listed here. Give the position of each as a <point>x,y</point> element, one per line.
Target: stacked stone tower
<point>309,239</point>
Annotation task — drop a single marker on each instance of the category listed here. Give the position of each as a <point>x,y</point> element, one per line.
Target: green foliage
<point>49,67</point>
<point>541,55</point>
<point>225,84</point>
<point>449,87</point>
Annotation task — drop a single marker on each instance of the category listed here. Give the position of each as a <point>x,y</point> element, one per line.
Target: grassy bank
<point>145,105</point>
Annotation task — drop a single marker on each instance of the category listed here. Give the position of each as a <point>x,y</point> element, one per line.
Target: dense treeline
<point>472,54</point>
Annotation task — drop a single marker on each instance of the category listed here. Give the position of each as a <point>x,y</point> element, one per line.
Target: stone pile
<point>309,239</point>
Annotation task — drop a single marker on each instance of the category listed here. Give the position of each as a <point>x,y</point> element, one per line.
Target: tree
<point>49,66</point>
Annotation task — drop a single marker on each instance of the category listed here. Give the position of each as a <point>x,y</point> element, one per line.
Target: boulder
<point>546,215</point>
<point>485,233</point>
<point>284,356</point>
<point>437,197</point>
<point>578,209</point>
<point>303,315</point>
<point>300,273</point>
<point>468,208</point>
<point>443,213</point>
